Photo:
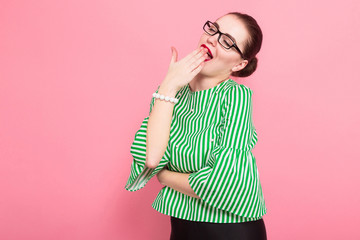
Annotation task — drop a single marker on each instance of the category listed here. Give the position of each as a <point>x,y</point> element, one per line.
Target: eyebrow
<point>217,25</point>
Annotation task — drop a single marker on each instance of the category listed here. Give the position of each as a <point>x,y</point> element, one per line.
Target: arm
<point>158,129</point>
<point>176,181</point>
<point>179,74</point>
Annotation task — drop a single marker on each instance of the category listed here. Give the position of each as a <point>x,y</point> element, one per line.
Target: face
<point>225,61</point>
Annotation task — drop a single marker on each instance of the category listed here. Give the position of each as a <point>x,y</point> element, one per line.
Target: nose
<point>213,39</point>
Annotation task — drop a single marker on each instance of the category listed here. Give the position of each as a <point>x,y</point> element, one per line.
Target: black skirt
<point>182,229</point>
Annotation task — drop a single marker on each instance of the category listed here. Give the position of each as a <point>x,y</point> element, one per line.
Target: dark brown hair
<point>251,46</point>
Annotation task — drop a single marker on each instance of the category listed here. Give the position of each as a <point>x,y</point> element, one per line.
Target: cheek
<point>230,59</point>
<point>226,58</point>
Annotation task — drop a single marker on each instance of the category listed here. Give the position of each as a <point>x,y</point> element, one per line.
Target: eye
<point>227,43</point>
<point>212,29</point>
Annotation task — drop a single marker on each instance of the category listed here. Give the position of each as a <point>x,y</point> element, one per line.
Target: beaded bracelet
<point>166,98</point>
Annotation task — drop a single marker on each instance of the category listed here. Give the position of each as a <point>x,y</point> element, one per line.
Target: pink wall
<point>76,79</point>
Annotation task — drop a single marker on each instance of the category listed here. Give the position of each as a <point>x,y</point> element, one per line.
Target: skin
<point>201,75</point>
<point>225,61</point>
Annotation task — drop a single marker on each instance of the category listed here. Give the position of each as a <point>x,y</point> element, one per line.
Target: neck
<point>201,82</point>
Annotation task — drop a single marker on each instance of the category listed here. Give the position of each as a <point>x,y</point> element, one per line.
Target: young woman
<point>199,135</point>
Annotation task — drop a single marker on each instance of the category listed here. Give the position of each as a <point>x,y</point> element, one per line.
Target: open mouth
<point>209,55</point>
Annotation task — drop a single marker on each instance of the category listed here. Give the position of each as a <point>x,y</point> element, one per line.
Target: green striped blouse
<point>211,137</point>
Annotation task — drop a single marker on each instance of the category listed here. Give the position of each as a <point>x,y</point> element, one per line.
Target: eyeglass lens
<point>224,40</point>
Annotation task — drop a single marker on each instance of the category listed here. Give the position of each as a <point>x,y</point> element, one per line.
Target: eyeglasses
<point>224,39</point>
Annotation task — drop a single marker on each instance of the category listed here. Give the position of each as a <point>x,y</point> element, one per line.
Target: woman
<point>198,139</point>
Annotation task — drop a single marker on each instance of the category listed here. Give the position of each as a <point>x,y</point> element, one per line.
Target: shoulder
<point>235,93</point>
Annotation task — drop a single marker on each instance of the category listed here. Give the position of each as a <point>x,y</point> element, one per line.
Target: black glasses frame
<point>220,33</point>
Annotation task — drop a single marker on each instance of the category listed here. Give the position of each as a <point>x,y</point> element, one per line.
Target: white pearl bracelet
<point>166,98</point>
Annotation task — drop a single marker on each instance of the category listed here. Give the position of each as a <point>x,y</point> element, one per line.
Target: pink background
<point>76,79</point>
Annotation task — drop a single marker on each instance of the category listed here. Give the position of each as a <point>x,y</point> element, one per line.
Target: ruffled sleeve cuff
<point>230,181</point>
<point>139,173</point>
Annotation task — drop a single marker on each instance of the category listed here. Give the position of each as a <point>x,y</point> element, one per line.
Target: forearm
<point>158,128</point>
<point>177,181</point>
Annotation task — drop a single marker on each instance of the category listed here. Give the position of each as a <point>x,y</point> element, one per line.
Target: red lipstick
<point>211,56</point>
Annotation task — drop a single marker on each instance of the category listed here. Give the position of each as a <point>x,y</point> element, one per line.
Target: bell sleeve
<point>230,180</point>
<point>139,173</point>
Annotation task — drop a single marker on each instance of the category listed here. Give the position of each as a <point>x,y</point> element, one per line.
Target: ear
<point>240,66</point>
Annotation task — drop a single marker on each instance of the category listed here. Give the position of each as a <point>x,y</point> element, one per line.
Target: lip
<point>203,45</point>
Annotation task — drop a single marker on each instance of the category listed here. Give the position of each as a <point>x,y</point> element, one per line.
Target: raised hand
<point>182,72</point>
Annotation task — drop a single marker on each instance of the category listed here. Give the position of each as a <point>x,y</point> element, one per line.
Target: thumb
<point>174,54</point>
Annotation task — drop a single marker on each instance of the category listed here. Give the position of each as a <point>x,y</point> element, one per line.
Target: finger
<point>174,54</point>
<point>198,55</point>
<point>197,69</point>
<point>196,62</point>
<point>192,54</point>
